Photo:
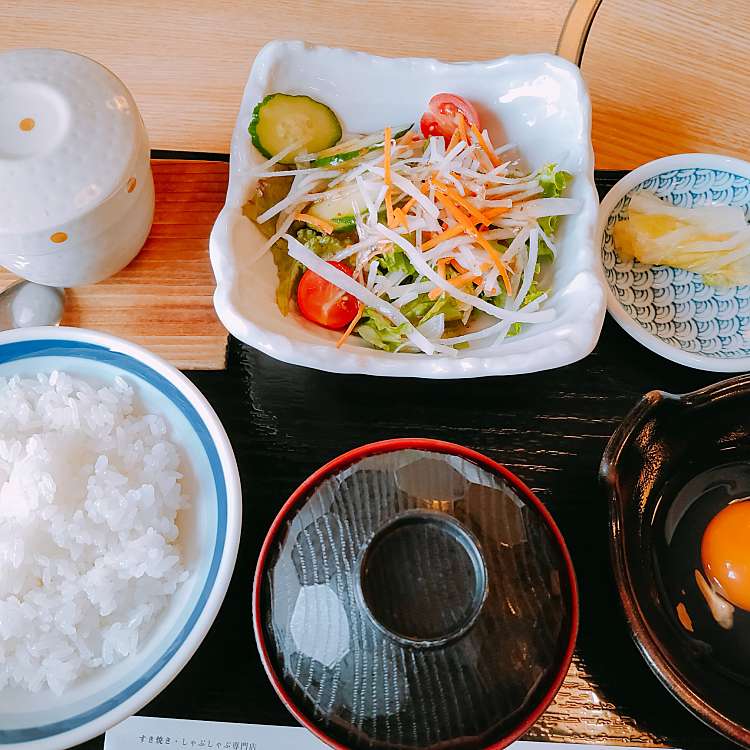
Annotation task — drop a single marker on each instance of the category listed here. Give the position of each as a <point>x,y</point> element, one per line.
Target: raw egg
<point>725,553</point>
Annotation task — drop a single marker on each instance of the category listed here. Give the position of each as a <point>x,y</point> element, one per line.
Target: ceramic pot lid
<point>414,594</point>
<point>69,135</point>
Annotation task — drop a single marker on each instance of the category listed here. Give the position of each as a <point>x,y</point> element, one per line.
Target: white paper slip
<point>147,732</point>
<point>184,734</point>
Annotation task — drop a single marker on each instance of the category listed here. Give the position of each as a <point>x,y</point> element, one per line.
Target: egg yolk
<point>725,553</point>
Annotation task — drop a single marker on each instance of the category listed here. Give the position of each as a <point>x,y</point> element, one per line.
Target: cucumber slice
<point>282,119</point>
<point>342,210</point>
<point>355,148</point>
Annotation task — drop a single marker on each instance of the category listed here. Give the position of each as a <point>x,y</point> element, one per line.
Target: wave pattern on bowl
<point>673,304</point>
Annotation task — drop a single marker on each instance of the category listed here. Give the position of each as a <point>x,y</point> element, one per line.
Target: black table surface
<point>550,428</point>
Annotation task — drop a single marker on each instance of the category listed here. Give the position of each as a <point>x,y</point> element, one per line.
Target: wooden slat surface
<point>163,299</point>
<point>665,76</point>
<point>668,76</point>
<point>186,61</point>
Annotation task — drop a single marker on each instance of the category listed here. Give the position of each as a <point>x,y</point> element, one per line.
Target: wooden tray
<point>163,299</point>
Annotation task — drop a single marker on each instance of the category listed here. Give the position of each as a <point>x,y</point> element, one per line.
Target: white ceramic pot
<point>76,189</point>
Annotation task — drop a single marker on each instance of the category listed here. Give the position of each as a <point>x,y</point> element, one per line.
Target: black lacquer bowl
<point>415,594</point>
<point>672,465</point>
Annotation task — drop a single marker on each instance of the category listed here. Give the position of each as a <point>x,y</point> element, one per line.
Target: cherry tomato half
<point>442,117</point>
<point>326,304</point>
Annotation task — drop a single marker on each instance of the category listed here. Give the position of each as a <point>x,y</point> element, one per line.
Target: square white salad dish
<point>516,294</point>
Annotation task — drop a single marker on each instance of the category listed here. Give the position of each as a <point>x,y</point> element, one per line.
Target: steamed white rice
<point>89,495</point>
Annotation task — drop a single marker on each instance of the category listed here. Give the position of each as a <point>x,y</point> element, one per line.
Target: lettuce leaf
<point>289,271</point>
<point>397,260</point>
<point>379,332</point>
<point>417,308</point>
<point>321,244</point>
<point>266,194</point>
<point>423,308</point>
<point>446,305</point>
<point>533,293</point>
<point>553,182</point>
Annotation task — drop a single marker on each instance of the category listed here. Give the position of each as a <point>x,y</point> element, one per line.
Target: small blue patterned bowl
<point>668,310</point>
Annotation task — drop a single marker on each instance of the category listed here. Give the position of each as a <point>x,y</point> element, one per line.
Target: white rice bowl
<point>89,495</point>
<point>103,567</point>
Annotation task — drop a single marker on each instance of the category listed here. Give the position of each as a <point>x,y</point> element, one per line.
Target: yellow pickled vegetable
<point>710,240</point>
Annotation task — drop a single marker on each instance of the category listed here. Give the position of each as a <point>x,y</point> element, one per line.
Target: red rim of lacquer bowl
<point>435,446</point>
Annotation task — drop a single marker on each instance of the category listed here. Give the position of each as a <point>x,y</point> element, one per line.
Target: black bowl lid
<point>414,594</point>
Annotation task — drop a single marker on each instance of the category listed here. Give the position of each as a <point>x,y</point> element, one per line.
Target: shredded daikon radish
<point>496,312</point>
<point>434,327</point>
<point>518,188</point>
<point>281,230</point>
<point>266,165</point>
<point>498,234</point>
<point>412,191</point>
<point>417,288</point>
<point>347,284</point>
<point>293,199</point>
<point>372,274</point>
<point>357,247</point>
<point>528,273</point>
<point>548,242</point>
<point>316,171</point>
<point>515,246</point>
<point>484,202</point>
<point>490,285</point>
<point>548,207</point>
<point>386,284</point>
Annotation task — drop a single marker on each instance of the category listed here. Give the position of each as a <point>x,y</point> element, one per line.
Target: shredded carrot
<point>487,150</point>
<point>457,214</point>
<point>399,217</point>
<point>461,201</point>
<point>387,156</point>
<point>464,278</point>
<point>408,205</point>
<point>462,127</point>
<point>393,221</point>
<point>441,267</point>
<point>498,261</point>
<point>324,226</point>
<point>348,332</point>
<point>389,207</point>
<point>456,281</point>
<point>490,216</point>
<point>453,141</point>
<point>457,266</point>
<point>465,221</point>
<point>406,138</point>
<point>435,292</point>
<point>436,239</point>
<point>495,212</point>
